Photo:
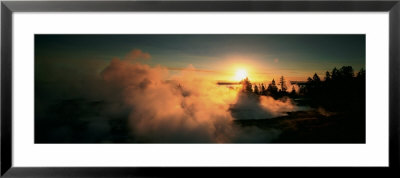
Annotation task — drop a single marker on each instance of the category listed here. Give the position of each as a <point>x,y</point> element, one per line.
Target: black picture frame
<point>8,7</point>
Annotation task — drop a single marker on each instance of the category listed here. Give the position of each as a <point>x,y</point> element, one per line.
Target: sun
<point>240,74</point>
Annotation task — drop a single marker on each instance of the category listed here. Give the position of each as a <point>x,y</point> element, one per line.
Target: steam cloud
<point>188,108</point>
<point>159,107</point>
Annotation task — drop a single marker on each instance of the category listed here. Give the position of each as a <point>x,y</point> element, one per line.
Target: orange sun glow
<point>240,74</point>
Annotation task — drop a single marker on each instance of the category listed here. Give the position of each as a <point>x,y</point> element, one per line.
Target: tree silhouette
<point>309,80</point>
<point>335,74</point>
<point>327,76</point>
<point>263,91</point>
<point>361,74</point>
<point>340,91</point>
<point>282,83</point>
<point>256,89</point>
<point>246,85</point>
<point>272,88</point>
<point>316,78</point>
<point>293,92</point>
<point>347,72</point>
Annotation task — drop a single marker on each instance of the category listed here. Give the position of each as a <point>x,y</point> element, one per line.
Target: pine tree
<point>256,89</point>
<point>361,73</point>
<point>293,92</point>
<point>316,78</point>
<point>335,74</point>
<point>246,85</point>
<point>282,83</point>
<point>272,89</point>
<point>347,72</point>
<point>309,80</point>
<point>262,89</point>
<point>327,76</point>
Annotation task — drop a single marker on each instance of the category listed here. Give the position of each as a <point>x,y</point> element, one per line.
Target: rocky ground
<point>314,126</point>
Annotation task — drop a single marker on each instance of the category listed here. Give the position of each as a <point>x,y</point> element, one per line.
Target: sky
<point>219,57</point>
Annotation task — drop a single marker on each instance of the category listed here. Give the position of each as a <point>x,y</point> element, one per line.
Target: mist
<point>155,106</point>
<point>187,108</point>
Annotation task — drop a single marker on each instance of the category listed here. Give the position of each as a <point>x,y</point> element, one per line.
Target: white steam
<point>187,108</point>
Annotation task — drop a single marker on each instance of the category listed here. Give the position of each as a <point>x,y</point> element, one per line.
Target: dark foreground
<point>313,127</point>
<point>80,121</point>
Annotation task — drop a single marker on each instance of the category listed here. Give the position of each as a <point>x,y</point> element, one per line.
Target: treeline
<point>341,89</point>
<point>276,90</point>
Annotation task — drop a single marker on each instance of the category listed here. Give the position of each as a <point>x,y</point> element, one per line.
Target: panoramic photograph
<point>200,88</point>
